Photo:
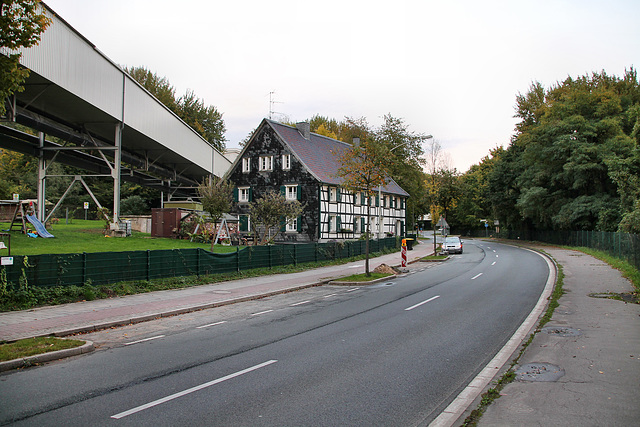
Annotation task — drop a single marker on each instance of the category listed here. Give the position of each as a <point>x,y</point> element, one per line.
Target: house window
<point>357,224</point>
<point>246,164</point>
<point>244,194</point>
<point>286,162</point>
<point>291,192</point>
<point>332,223</point>
<point>357,199</point>
<point>333,194</point>
<point>292,224</point>
<point>266,163</point>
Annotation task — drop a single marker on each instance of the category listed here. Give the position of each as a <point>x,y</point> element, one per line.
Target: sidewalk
<point>583,368</point>
<point>67,319</point>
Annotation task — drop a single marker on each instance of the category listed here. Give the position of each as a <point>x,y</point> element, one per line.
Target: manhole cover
<point>539,372</point>
<point>561,331</point>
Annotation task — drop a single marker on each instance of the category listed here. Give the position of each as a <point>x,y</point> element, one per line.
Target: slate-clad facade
<point>302,166</point>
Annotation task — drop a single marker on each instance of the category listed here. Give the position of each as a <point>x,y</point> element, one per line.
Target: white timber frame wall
<point>343,214</point>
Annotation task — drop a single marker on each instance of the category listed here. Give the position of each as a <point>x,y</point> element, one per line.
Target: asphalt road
<point>395,353</point>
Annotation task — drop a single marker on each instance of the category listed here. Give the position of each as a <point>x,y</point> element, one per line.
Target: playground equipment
<point>25,212</point>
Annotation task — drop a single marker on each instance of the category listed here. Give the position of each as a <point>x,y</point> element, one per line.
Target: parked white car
<point>452,245</point>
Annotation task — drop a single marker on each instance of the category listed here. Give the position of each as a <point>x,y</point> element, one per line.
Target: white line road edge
<point>476,276</point>
<point>143,340</point>
<point>212,324</point>
<point>455,410</point>
<point>190,390</point>
<point>421,303</point>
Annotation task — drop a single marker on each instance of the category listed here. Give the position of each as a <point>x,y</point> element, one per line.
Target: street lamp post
<point>380,216</point>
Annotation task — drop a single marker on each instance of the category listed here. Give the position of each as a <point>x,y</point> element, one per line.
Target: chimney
<point>356,141</point>
<point>305,129</point>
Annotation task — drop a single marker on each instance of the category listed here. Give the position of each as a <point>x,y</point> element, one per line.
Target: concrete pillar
<point>42,177</point>
<point>117,155</point>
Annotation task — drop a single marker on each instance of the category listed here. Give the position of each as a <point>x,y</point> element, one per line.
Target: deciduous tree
<point>271,211</point>
<point>217,198</point>
<point>22,23</point>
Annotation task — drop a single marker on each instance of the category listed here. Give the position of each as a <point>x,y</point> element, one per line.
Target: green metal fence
<point>110,267</point>
<point>625,246</point>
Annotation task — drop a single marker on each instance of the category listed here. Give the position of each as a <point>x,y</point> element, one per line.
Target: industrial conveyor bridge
<point>109,124</point>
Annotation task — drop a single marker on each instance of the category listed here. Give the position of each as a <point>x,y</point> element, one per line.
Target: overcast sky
<point>448,68</point>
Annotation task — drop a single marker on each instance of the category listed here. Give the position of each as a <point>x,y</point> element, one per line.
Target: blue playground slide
<point>42,232</point>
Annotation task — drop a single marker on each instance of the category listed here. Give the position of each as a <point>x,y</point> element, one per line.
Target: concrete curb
<point>87,347</point>
<point>468,399</point>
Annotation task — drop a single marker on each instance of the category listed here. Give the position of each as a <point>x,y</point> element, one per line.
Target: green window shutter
<point>329,227</point>
<point>235,194</point>
<point>402,228</point>
<point>362,199</point>
<point>250,194</point>
<point>299,192</point>
<point>363,225</point>
<point>355,224</point>
<point>244,223</point>
<point>338,223</point>
<point>338,195</point>
<point>283,224</point>
<point>299,224</point>
<point>378,200</point>
<point>283,190</point>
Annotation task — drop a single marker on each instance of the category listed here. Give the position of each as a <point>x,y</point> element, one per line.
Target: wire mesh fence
<point>625,246</point>
<point>111,267</point>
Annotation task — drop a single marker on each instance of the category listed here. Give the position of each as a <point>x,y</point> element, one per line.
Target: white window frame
<point>243,194</point>
<point>292,225</point>
<point>291,192</point>
<point>266,163</point>
<point>286,162</point>
<point>246,164</point>
<point>357,199</point>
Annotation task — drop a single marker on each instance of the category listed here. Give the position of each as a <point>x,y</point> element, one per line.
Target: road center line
<point>330,295</point>
<point>143,340</point>
<point>190,390</point>
<point>493,263</point>
<point>476,276</point>
<point>423,302</point>
<point>351,290</point>
<point>262,312</point>
<point>300,303</point>
<point>212,324</point>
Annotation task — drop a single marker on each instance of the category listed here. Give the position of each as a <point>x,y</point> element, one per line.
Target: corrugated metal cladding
<point>150,117</point>
<point>66,59</point>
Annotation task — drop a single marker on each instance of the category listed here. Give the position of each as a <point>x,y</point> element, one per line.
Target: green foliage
<point>21,24</point>
<point>573,163</point>
<point>269,211</point>
<point>134,205</point>
<point>205,120</point>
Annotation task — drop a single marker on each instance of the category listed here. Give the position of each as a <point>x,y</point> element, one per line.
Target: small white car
<point>452,245</point>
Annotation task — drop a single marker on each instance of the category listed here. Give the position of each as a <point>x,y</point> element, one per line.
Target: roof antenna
<point>271,102</point>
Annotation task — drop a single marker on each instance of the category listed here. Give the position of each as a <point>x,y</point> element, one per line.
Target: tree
<point>271,210</point>
<point>205,120</point>
<point>22,22</point>
<point>364,168</point>
<point>156,85</point>
<point>217,198</point>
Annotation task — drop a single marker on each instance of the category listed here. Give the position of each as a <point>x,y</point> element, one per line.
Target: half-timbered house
<point>303,166</point>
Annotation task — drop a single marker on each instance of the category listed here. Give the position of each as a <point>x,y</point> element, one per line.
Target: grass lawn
<point>363,277</point>
<point>86,236</point>
<point>32,346</point>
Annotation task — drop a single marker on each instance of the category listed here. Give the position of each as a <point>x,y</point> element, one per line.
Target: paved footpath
<point>86,316</point>
<point>594,343</point>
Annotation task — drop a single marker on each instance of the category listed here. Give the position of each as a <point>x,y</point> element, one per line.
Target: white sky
<point>448,68</point>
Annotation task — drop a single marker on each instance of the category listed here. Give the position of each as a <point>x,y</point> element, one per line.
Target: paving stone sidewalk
<point>85,316</point>
<point>593,344</point>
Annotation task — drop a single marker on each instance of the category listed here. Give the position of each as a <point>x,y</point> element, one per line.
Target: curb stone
<point>87,347</point>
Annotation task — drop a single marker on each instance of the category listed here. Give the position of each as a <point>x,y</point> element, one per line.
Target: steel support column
<point>42,178</point>
<point>115,172</point>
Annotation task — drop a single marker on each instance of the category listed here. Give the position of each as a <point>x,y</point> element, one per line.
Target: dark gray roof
<point>318,155</point>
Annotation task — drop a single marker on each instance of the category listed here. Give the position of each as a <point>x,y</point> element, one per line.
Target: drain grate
<point>539,372</point>
<point>561,331</point>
